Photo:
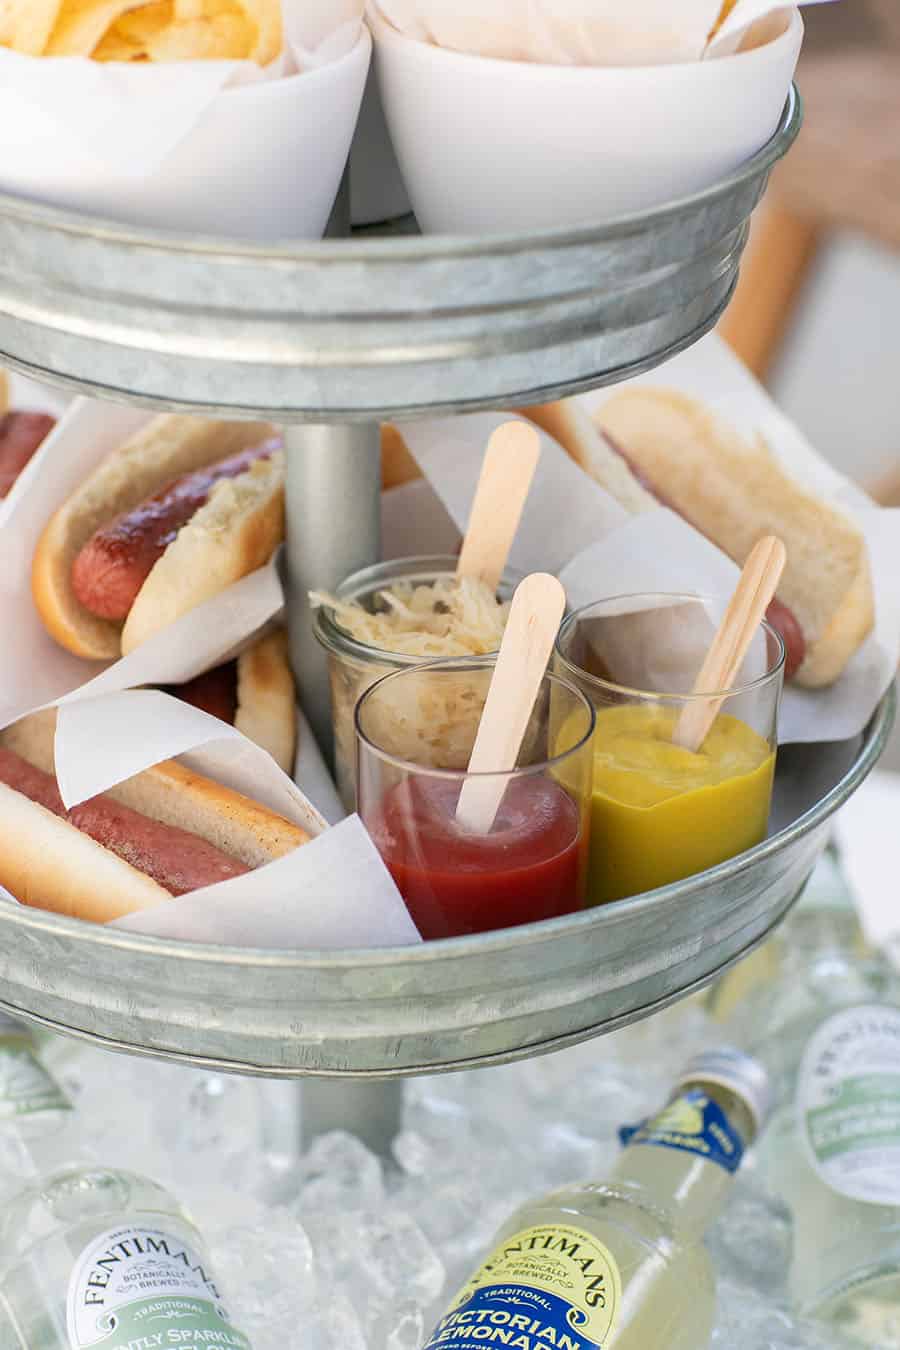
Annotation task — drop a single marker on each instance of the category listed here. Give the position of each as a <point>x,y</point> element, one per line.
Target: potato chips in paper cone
<point>581,32</point>
<point>123,84</point>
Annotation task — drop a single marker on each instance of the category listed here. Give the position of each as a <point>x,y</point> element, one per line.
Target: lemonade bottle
<point>620,1265</point>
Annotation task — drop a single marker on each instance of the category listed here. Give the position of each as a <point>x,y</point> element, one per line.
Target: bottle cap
<point>739,1073</point>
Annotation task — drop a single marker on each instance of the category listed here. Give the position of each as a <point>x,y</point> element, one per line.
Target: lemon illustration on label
<point>684,1116</point>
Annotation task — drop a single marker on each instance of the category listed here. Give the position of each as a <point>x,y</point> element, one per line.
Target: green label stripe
<point>167,1321</point>
<point>26,1087</point>
<point>863,1111</point>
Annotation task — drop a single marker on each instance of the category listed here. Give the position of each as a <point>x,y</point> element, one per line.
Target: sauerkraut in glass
<point>396,615</point>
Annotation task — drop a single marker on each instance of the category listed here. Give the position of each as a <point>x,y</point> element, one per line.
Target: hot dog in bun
<point>176,515</point>
<point>649,446</point>
<point>163,833</point>
<point>255,693</point>
<point>21,434</point>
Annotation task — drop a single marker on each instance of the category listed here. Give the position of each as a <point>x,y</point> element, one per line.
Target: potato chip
<point>26,25</point>
<point>224,37</point>
<point>129,37</point>
<point>264,16</point>
<point>83,23</point>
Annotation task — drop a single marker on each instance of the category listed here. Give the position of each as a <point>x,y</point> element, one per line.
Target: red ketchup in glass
<point>529,867</point>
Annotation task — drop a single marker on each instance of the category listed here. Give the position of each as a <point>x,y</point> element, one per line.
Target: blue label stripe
<point>518,1316</point>
<point>704,1130</point>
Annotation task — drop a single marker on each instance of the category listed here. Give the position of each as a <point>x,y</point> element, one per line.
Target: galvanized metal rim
<point>552,1045</point>
<point>876,737</point>
<point>411,248</point>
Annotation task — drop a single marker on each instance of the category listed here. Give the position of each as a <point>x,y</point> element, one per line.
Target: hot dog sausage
<point>782,619</point>
<point>215,692</point>
<point>180,862</point>
<point>21,433</point>
<point>112,567</point>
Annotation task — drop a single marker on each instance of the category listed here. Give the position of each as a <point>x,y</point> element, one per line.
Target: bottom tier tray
<point>444,1005</point>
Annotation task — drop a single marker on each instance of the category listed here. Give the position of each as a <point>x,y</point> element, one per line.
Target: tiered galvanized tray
<point>341,334</point>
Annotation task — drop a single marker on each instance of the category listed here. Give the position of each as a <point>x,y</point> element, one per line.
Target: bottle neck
<point>685,1158</point>
<point>826,919</point>
<point>34,1110</point>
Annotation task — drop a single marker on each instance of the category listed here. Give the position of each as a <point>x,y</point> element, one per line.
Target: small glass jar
<point>471,853</point>
<point>354,666</point>
<point>663,812</point>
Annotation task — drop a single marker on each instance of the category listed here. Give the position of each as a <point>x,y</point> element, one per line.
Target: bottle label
<point>551,1285</point>
<point>26,1088</point>
<point>693,1123</point>
<point>142,1288</point>
<point>848,1104</point>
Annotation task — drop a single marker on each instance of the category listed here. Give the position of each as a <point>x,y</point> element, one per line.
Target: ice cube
<point>339,1173</point>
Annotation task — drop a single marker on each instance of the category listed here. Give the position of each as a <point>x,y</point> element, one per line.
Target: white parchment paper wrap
<point>575,529</point>
<point>579,32</point>
<point>36,670</point>
<point>128,118</point>
<point>335,892</point>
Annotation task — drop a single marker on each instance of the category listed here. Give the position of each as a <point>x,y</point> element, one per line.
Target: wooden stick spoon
<point>755,592</point>
<point>509,466</point>
<point>534,618</point>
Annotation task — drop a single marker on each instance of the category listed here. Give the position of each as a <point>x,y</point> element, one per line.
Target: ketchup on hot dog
<point>112,567</point>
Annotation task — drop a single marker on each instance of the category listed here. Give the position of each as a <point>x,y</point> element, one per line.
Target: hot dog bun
<point>235,532</point>
<point>267,698</point>
<point>67,872</point>
<point>734,493</point>
<point>397,463</point>
<point>46,862</point>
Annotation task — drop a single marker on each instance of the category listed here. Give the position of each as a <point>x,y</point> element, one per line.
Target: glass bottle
<point>828,1030</point>
<point>620,1264</point>
<point>105,1259</point>
<point>827,906</point>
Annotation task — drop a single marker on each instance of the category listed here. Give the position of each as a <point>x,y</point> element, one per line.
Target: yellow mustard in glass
<point>662,813</point>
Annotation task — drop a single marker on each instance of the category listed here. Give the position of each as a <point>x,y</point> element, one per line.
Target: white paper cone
<point>37,671</point>
<point>579,32</point>
<point>128,118</point>
<point>332,893</point>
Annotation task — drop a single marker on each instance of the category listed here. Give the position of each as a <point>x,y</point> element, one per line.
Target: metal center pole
<point>333,528</point>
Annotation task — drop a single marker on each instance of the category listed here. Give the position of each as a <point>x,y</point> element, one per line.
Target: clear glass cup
<point>354,666</point>
<point>415,733</point>
<point>661,812</point>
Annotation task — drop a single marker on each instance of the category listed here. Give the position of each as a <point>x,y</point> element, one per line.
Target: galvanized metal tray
<point>365,328</point>
<point>446,1005</point>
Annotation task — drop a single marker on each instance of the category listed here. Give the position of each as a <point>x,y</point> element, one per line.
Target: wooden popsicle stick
<point>509,465</point>
<point>755,592</point>
<point>535,615</point>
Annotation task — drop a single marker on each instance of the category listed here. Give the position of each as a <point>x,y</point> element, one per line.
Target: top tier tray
<point>355,330</point>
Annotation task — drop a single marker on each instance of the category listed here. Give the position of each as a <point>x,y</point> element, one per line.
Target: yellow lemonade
<point>662,813</point>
